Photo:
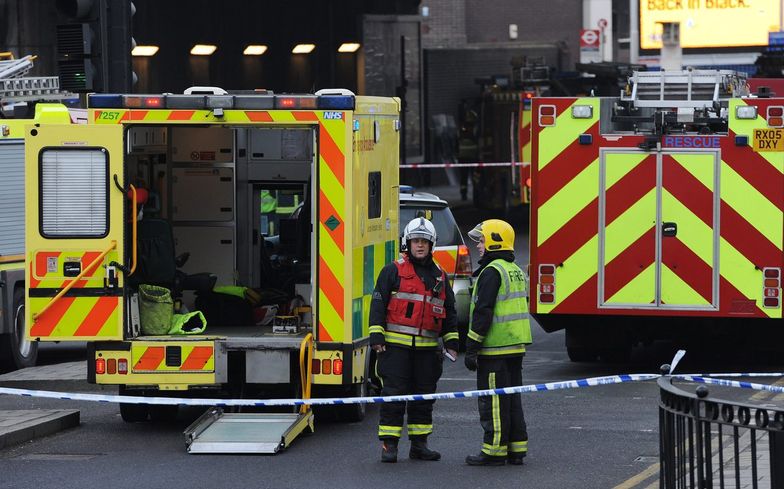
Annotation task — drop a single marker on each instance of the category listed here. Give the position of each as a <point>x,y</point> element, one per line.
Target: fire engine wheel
<point>133,413</point>
<point>16,350</point>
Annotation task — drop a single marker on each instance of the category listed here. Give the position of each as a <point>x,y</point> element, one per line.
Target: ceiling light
<point>144,50</point>
<point>348,47</point>
<point>203,49</point>
<point>255,50</point>
<point>303,48</point>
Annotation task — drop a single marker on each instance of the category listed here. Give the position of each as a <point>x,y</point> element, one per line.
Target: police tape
<point>731,383</point>
<point>465,165</point>
<point>550,386</point>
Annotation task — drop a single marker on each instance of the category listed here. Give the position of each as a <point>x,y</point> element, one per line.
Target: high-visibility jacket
<point>413,309</point>
<point>511,328</point>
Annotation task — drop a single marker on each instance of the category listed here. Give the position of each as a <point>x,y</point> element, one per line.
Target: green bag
<point>190,323</point>
<point>156,309</point>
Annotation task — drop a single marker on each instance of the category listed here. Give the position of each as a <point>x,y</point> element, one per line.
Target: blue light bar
<point>407,189</point>
<point>336,102</point>
<point>105,101</point>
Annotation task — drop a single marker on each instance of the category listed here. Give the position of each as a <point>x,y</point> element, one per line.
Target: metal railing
<point>706,442</point>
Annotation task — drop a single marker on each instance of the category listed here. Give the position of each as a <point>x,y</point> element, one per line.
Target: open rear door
<point>74,233</point>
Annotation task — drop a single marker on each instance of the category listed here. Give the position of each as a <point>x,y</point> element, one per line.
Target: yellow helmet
<point>498,234</point>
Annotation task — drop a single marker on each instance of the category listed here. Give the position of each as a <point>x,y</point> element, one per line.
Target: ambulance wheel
<point>580,354</point>
<point>16,349</point>
<point>163,413</point>
<point>133,413</point>
<point>354,413</point>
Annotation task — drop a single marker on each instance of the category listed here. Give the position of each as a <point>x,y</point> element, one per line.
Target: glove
<point>471,360</point>
<point>377,341</point>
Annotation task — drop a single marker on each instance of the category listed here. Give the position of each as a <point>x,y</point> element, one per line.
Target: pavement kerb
<point>19,426</point>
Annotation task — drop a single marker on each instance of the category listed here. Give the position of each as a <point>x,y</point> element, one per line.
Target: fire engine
<point>658,214</point>
<point>22,101</point>
<point>108,202</point>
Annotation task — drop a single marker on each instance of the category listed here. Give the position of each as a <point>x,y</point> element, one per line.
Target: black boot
<point>515,458</point>
<point>419,451</point>
<point>485,459</point>
<point>389,451</point>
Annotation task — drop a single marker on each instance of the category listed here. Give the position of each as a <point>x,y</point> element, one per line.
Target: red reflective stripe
<point>323,334</point>
<point>40,262</point>
<point>256,116</point>
<point>566,166</point>
<point>331,287</point>
<point>96,319</point>
<point>151,358</point>
<point>198,358</point>
<point>630,263</point>
<point>763,176</point>
<point>305,116</point>
<point>689,267</point>
<point>181,115</point>
<point>332,154</point>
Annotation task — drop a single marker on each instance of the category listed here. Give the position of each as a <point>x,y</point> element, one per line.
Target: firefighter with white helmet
<point>498,331</point>
<point>413,306</point>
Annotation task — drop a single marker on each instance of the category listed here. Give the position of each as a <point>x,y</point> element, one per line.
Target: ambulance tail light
<point>547,115</point>
<point>315,367</point>
<point>582,111</point>
<point>746,112</point>
<point>337,366</point>
<point>546,292</point>
<point>122,366</point>
<point>100,366</point>
<point>771,290</point>
<point>463,268</point>
<point>111,366</point>
<point>326,366</point>
<point>775,116</point>
<point>144,101</point>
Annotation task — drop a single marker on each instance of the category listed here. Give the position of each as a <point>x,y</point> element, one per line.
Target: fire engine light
<point>546,289</point>
<point>771,292</point>
<point>547,279</point>
<point>771,302</point>
<point>771,282</point>
<point>547,110</point>
<point>337,366</point>
<point>546,120</point>
<point>775,121</point>
<point>546,298</point>
<point>315,367</point>
<point>111,366</point>
<point>746,112</point>
<point>775,111</point>
<point>586,139</point>
<point>546,269</point>
<point>326,366</point>
<point>122,366</point>
<point>772,273</point>
<point>741,140</point>
<point>100,366</point>
<point>582,111</point>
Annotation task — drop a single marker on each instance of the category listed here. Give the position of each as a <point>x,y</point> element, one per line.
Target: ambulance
<point>166,190</point>
<point>657,215</point>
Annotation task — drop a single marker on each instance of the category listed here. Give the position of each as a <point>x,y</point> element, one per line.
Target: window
<point>74,193</point>
<point>374,195</point>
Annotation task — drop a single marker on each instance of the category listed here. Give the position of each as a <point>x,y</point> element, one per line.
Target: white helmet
<point>419,227</point>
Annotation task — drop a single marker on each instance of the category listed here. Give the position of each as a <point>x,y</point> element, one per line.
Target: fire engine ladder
<point>16,87</point>
<point>684,90</point>
<point>219,432</point>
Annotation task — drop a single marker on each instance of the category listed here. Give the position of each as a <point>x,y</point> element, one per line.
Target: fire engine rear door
<point>688,230</point>
<point>74,233</point>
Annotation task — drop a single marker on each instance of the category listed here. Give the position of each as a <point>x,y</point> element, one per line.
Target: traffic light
<point>94,45</point>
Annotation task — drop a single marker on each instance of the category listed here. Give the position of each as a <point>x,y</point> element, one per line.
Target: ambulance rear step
<point>219,432</point>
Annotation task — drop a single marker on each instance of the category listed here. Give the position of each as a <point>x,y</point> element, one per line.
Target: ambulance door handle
<point>669,229</point>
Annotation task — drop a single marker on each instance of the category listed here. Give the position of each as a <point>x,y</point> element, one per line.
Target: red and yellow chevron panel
<point>446,258</point>
<point>183,356</point>
<point>637,232</point>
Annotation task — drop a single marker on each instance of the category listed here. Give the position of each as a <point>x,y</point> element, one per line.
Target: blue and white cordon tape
<point>550,386</point>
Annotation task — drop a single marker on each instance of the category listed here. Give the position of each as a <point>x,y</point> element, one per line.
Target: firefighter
<point>412,306</point>
<point>498,331</point>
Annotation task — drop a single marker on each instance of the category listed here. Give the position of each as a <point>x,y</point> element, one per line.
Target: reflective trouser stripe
<point>394,431</point>
<point>499,451</point>
<point>451,336</point>
<point>419,429</point>
<point>496,449</point>
<point>410,330</point>
<point>502,350</point>
<point>518,447</point>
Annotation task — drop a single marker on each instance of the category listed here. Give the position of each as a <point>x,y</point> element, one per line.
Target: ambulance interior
<point>238,202</point>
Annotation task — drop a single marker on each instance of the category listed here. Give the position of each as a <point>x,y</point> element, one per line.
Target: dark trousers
<point>502,416</point>
<point>407,371</point>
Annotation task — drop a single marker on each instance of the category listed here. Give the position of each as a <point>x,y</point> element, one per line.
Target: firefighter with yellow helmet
<point>498,331</point>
